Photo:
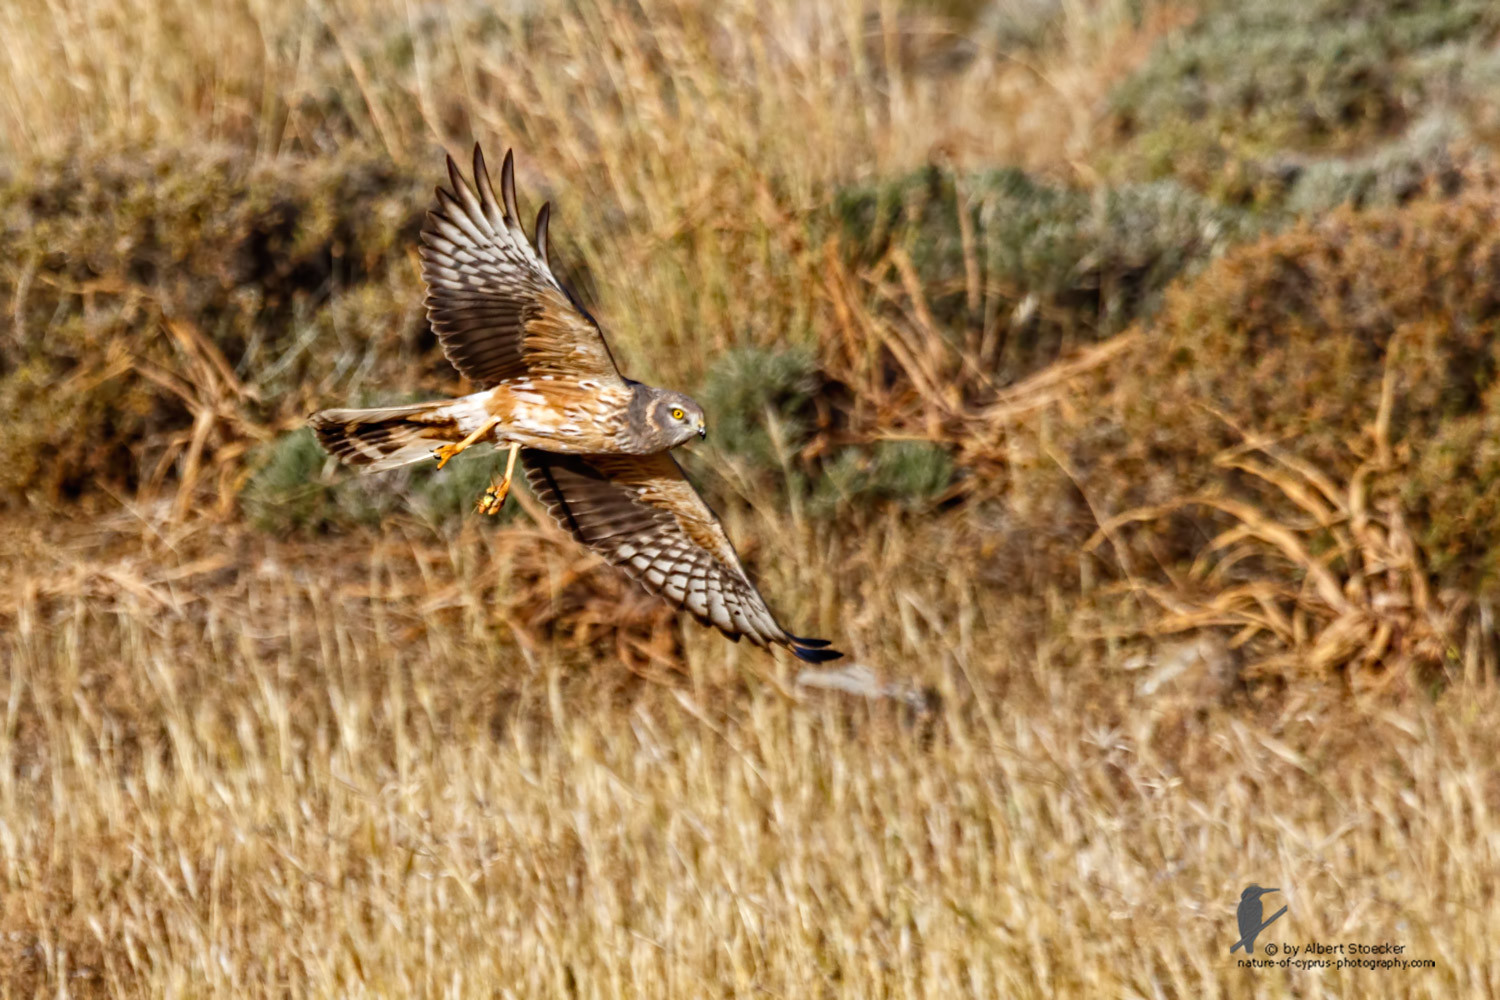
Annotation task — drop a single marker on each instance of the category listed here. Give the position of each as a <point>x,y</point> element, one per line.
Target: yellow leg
<point>494,497</point>
<point>447,451</point>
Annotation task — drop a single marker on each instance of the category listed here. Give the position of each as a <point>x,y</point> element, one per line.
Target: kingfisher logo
<point>1373,953</point>
<point>1249,918</point>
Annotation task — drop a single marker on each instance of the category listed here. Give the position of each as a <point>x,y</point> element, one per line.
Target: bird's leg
<point>494,497</point>
<point>447,451</point>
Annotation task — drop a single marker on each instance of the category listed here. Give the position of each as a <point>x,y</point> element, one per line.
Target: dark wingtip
<point>508,188</point>
<point>802,640</point>
<point>542,218</point>
<point>812,654</point>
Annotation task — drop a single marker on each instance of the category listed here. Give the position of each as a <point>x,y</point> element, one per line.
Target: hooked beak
<point>702,431</point>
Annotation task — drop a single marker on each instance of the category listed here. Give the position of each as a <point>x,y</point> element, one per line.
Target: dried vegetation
<point>1116,381</point>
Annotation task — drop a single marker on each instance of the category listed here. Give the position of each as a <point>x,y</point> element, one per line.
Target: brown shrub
<point>152,290</point>
<point>1301,447</point>
<point>1291,338</point>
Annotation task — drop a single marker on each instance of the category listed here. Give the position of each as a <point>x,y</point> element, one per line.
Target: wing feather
<point>494,303</point>
<point>641,513</point>
<point>487,191</point>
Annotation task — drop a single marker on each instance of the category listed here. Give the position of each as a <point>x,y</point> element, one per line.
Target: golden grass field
<point>453,757</point>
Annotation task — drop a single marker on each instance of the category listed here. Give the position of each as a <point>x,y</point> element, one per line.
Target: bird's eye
<point>677,413</point>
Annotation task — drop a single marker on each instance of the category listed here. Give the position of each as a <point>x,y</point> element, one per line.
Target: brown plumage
<point>641,513</point>
<point>594,444</point>
<point>492,298</point>
<point>383,438</point>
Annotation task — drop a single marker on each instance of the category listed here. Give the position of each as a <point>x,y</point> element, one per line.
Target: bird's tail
<point>385,438</point>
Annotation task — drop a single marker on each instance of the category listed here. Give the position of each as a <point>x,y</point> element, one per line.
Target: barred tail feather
<point>385,438</point>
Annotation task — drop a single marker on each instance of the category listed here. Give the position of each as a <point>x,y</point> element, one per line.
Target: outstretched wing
<point>493,301</point>
<point>641,513</point>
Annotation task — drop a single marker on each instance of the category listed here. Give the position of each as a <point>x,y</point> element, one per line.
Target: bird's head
<point>665,419</point>
<point>1255,892</point>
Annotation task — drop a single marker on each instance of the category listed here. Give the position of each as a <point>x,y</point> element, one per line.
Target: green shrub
<point>297,487</point>
<point>1250,81</point>
<point>1431,158</point>
<point>1058,266</point>
<point>767,410</point>
<point>444,495</point>
<point>746,385</point>
<point>910,474</point>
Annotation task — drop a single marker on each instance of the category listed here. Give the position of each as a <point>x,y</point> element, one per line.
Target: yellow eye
<point>677,413</point>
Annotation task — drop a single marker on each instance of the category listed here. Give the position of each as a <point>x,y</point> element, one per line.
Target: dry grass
<point>1341,589</point>
<point>458,759</point>
<point>266,778</point>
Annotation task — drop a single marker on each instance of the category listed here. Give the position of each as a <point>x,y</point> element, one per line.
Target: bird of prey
<point>596,446</point>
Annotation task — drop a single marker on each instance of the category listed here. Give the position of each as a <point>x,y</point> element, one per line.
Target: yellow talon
<point>447,451</point>
<point>494,497</point>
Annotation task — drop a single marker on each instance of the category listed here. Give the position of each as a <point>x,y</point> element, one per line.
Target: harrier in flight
<point>596,445</point>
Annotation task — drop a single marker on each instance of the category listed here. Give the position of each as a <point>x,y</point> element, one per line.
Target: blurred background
<point>1114,380</point>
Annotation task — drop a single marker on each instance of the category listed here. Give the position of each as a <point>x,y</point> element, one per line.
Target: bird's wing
<point>641,513</point>
<point>492,298</point>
